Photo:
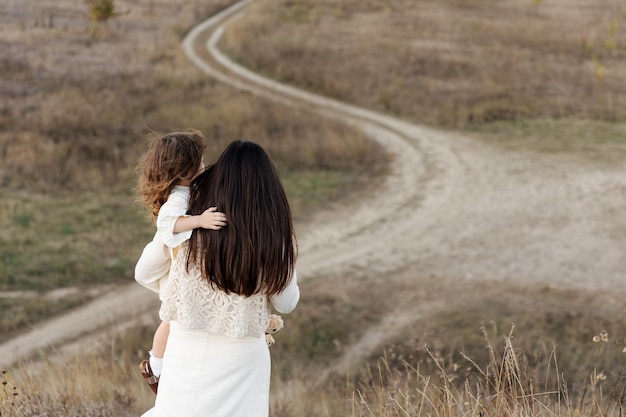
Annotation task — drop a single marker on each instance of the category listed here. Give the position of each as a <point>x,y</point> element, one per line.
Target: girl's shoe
<point>146,372</point>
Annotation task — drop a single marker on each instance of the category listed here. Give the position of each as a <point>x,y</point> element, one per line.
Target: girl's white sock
<point>156,364</point>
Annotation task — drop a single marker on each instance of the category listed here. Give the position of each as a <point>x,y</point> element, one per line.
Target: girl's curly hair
<point>170,158</point>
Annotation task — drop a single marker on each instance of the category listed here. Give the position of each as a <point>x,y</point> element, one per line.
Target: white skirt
<point>211,375</point>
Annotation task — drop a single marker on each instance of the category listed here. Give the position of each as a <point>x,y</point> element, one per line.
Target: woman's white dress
<point>216,362</point>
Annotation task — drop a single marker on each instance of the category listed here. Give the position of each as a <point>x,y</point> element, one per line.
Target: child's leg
<point>158,347</point>
<point>160,339</point>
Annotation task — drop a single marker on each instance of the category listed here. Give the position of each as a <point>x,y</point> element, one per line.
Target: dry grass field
<point>76,107</point>
<point>492,67</point>
<point>542,80</point>
<point>453,62</point>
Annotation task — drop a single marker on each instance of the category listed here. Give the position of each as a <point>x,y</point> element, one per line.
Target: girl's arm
<point>210,219</point>
<point>169,213</point>
<point>174,226</point>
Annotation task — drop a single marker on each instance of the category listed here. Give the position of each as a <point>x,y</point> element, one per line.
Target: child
<point>165,173</point>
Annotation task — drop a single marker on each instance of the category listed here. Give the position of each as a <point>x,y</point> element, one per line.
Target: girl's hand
<point>212,219</point>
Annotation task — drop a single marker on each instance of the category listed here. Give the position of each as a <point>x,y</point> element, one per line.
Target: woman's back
<point>196,304</point>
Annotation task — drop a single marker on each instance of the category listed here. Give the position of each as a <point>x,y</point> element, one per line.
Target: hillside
<point>462,233</point>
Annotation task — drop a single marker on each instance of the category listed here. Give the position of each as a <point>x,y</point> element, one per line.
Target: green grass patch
<point>309,191</point>
<point>592,139</point>
<point>71,239</point>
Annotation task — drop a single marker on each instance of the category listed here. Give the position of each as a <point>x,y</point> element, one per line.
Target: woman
<point>222,286</point>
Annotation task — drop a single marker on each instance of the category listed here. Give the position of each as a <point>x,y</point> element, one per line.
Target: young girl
<point>165,172</point>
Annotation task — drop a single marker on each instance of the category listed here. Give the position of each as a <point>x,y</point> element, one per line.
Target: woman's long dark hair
<point>256,251</point>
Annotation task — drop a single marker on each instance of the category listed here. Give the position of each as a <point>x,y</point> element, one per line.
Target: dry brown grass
<point>505,385</point>
<point>451,62</point>
<point>77,108</point>
<point>465,361</point>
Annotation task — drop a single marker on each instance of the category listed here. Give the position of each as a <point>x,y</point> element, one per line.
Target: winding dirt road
<point>452,208</point>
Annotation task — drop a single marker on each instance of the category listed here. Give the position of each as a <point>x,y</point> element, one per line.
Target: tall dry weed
<point>504,387</point>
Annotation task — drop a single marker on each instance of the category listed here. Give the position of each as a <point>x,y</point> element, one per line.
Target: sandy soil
<point>453,210</point>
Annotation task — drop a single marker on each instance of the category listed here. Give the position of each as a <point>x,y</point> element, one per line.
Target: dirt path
<point>472,210</point>
<point>452,208</point>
